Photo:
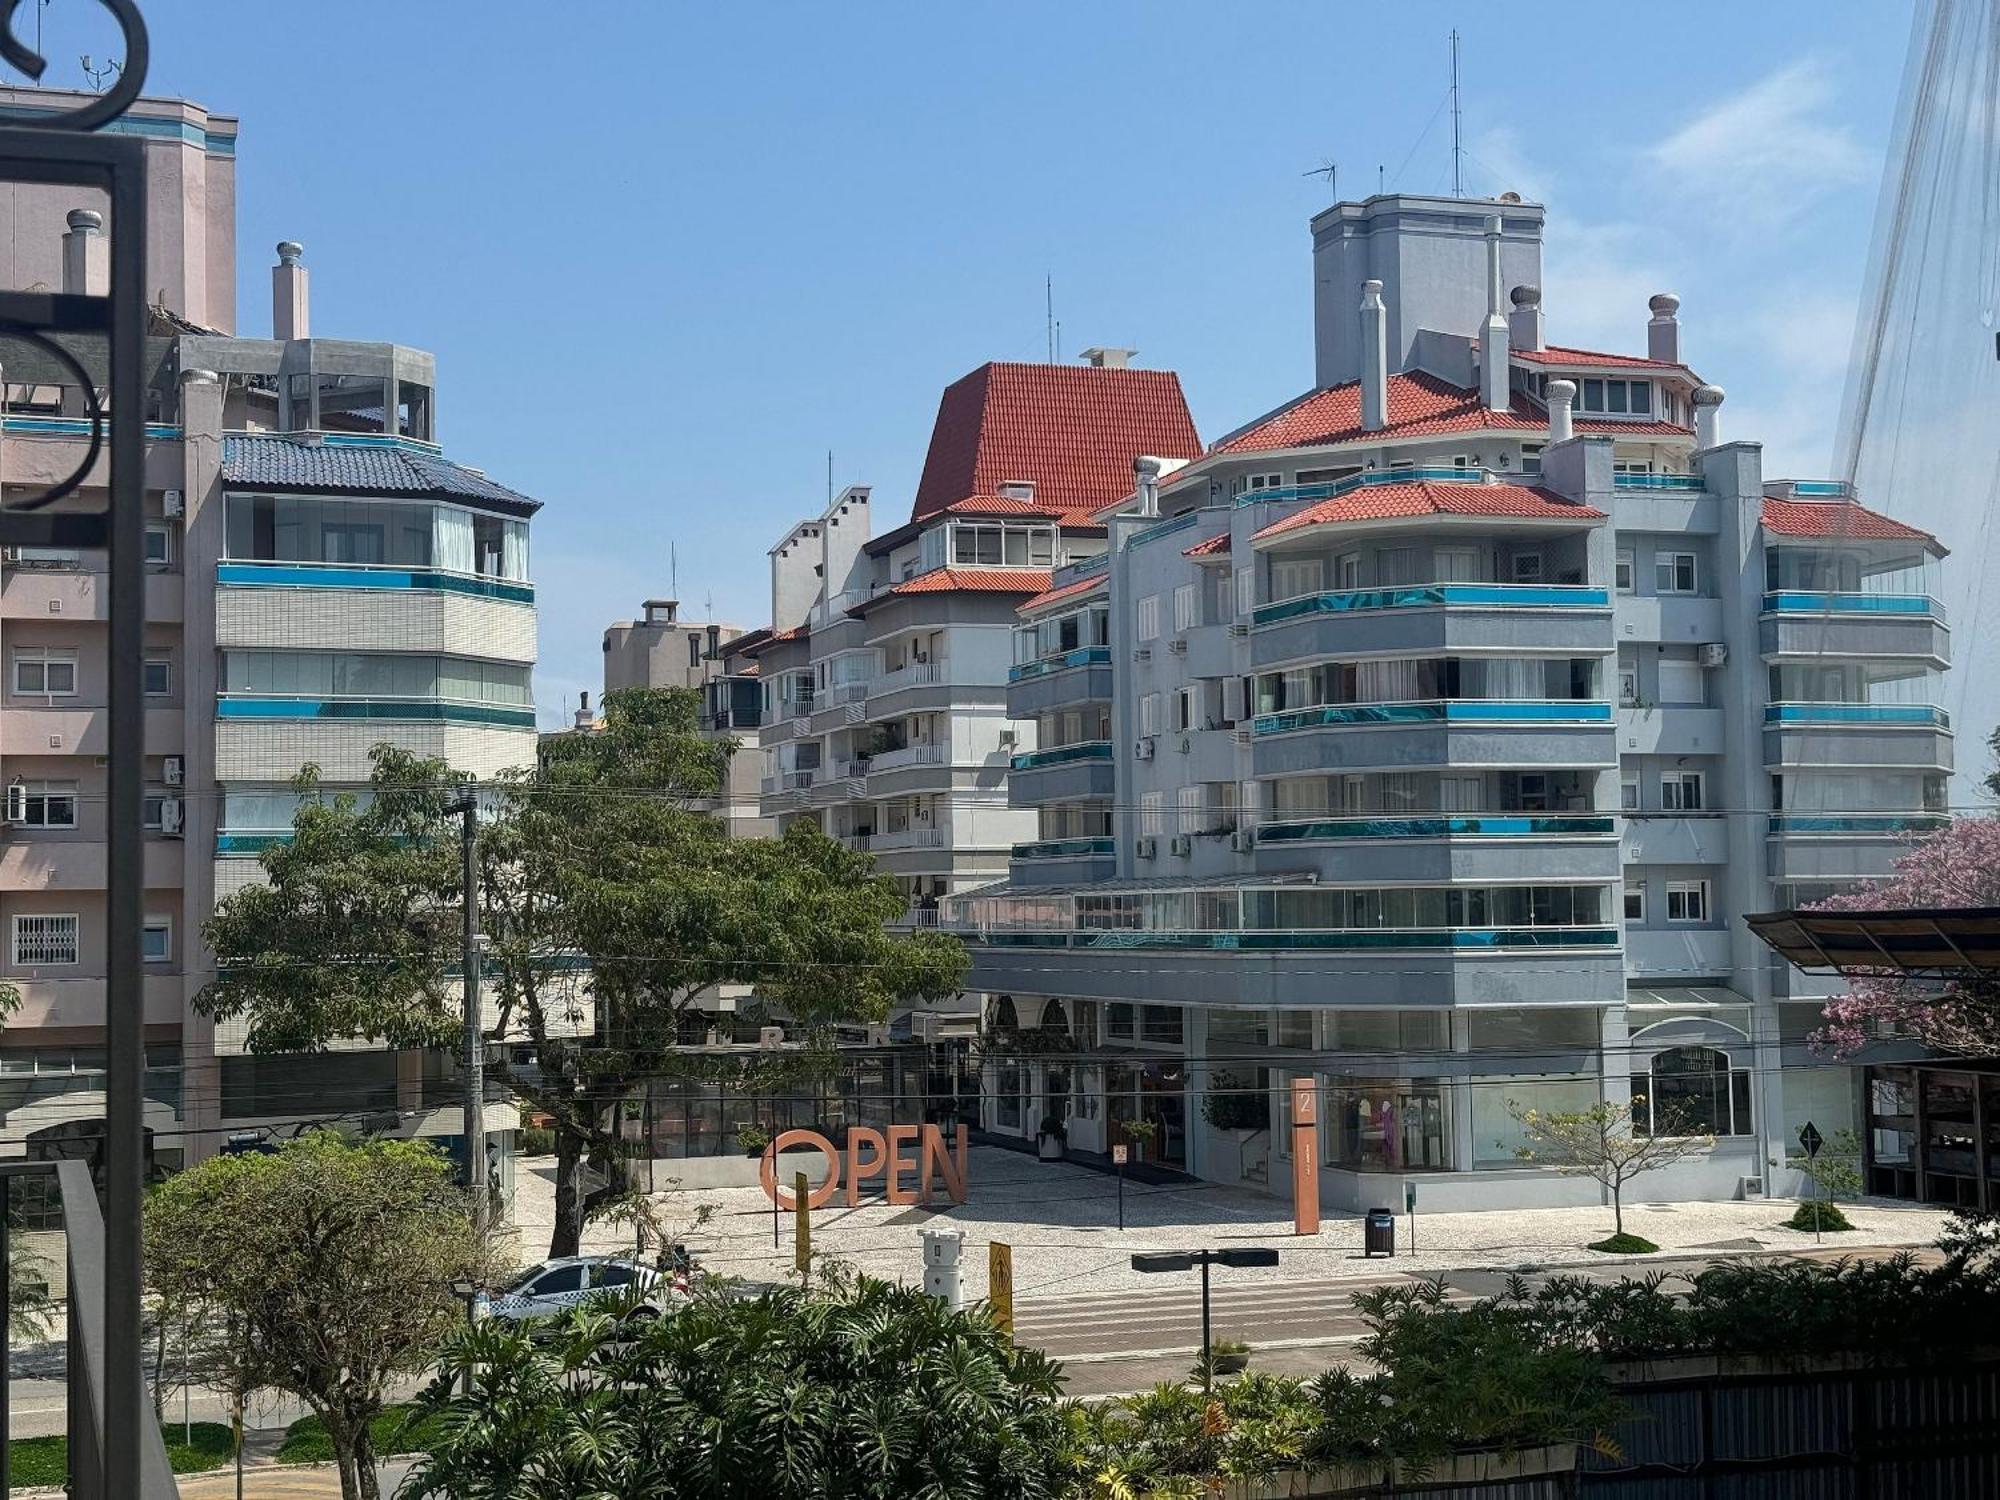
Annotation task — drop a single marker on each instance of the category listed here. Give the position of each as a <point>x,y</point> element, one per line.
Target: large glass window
<point>371,533</point>
<point>329,674</point>
<point>1691,1091</point>
<point>1419,679</point>
<point>1386,1125</point>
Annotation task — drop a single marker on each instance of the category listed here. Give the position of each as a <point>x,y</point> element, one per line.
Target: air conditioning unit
<point>1178,645</point>
<point>170,816</point>
<point>1142,748</point>
<point>1009,739</point>
<point>172,770</point>
<point>1714,654</point>
<point>1142,653</point>
<point>1239,628</point>
<point>172,505</point>
<point>1243,840</point>
<point>1243,737</point>
<point>1183,845</point>
<point>1145,848</point>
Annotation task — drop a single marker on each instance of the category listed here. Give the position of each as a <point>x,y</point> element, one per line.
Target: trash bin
<point>1378,1233</point>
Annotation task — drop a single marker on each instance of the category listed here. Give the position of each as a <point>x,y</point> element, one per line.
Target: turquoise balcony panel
<point>1915,715</point>
<point>1450,711</point>
<point>1446,825</point>
<point>1454,939</point>
<point>1364,480</point>
<point>1691,482</point>
<point>227,844</point>
<point>1067,849</point>
<point>1083,656</point>
<point>375,708</point>
<point>1794,601</point>
<point>297,575</point>
<point>1857,824</point>
<point>1436,596</point>
<point>1062,755</point>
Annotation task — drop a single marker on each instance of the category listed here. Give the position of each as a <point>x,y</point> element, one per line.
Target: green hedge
<point>45,1460</point>
<point>397,1430</point>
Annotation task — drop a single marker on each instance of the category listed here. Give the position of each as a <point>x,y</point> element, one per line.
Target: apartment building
<point>321,578</point>
<point>1427,736</point>
<point>884,674</point>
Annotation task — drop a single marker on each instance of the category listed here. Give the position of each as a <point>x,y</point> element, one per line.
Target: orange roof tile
<point>1420,404</point>
<point>949,580</point>
<point>1835,519</point>
<point>1215,546</point>
<point>1558,354</point>
<point>1072,429</point>
<point>1422,497</point>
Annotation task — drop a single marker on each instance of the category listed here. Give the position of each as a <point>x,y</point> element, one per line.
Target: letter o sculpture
<point>783,1196</point>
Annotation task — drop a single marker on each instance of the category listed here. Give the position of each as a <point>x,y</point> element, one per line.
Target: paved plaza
<point>1061,1220</point>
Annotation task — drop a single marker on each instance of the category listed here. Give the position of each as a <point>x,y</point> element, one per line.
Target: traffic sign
<point>1811,1140</point>
<point>1000,1284</point>
<point>1118,1154</point>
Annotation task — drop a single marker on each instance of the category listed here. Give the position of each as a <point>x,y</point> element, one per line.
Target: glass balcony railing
<point>1471,939</point>
<point>1082,656</point>
<point>1366,479</point>
<point>1681,482</point>
<point>1865,824</point>
<point>1808,602</point>
<point>1062,755</point>
<point>1164,528</point>
<point>1452,711</point>
<point>425,709</point>
<point>1087,848</point>
<point>1901,715</point>
<point>308,575</point>
<point>1438,826</point>
<point>1435,596</point>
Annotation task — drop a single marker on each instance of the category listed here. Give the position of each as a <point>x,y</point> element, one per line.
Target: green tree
<point>864,1390</point>
<point>611,901</point>
<point>1603,1144</point>
<point>323,1270</point>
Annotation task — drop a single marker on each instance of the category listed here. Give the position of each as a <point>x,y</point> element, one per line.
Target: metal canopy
<point>1934,942</point>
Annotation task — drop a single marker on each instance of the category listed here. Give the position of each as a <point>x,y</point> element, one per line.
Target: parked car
<point>555,1286</point>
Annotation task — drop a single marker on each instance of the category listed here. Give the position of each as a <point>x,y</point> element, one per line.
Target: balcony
<point>1062,755</point>
<point>1440,826</point>
<point>1688,730</point>
<point>1670,955</point>
<point>1857,825</point>
<point>310,575</point>
<point>1063,773</point>
<point>910,755</point>
<point>74,594</point>
<point>1080,676</point>
<point>1865,715</point>
<point>1443,847</point>
<point>405,710</point>
<point>1798,601</point>
<point>1676,839</point>
<point>895,840</point>
<point>1433,617</point>
<point>1085,848</point>
<point>1082,656</point>
<point>1437,732</point>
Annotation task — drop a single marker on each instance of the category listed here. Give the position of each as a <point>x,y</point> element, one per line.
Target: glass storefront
<point>1386,1125</point>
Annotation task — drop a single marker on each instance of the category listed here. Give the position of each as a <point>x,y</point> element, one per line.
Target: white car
<point>555,1286</point>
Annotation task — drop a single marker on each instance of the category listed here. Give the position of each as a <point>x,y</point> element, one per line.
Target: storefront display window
<point>1388,1125</point>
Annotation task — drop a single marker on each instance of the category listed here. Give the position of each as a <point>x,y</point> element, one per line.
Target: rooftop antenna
<point>1381,178</point>
<point>1330,170</point>
<point>96,75</point>
<point>1049,307</point>
<point>829,478</point>
<point>1457,149</point>
<point>674,569</point>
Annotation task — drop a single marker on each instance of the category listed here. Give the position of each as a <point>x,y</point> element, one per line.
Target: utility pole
<point>466,805</point>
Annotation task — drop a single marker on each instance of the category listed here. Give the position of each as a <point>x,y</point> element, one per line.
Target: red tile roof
<point>1076,589</point>
<point>1420,404</point>
<point>1215,546</point>
<point>996,505</point>
<point>1835,518</point>
<point>950,580</point>
<point>1421,497</point>
<point>1558,354</point>
<point>769,638</point>
<point>1072,429</point>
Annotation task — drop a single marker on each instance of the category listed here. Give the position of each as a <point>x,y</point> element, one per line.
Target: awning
<point>1942,942</point>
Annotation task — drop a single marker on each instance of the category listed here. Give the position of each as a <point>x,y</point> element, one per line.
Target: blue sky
<point>668,255</point>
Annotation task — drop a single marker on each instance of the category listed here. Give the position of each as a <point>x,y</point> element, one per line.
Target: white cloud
<point>1500,165</point>
<point>1598,277</point>
<point>1761,154</point>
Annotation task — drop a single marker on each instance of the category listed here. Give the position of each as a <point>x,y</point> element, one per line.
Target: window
<point>156,940</point>
<point>559,1281</point>
<point>1254,482</point>
<point>1456,564</point>
<point>45,673</point>
<point>1347,571</point>
<point>1635,901</point>
<point>1152,814</point>
<point>1293,578</point>
<point>1674,572</point>
<point>153,812</point>
<point>1622,570</point>
<point>1628,687</point>
<point>1189,806</point>
<point>1616,397</point>
<point>1246,590</point>
<point>1692,1091</point>
<point>1149,618</point>
<point>1628,796</point>
<point>42,804</point>
<point>1149,713</point>
<point>44,940</point>
<point>157,672</point>
<point>1687,900</point>
<point>159,543</point>
<point>1527,567</point>
<point>1682,680</point>
<point>1681,791</point>
<point>1187,609</point>
<point>1187,709</point>
<point>1531,458</point>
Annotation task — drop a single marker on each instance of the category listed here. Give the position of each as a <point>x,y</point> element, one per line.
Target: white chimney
<point>86,255</point>
<point>1524,324</point>
<point>1374,358</point>
<point>1108,359</point>
<point>291,311</point>
<point>1147,472</point>
<point>1562,396</point>
<point>1493,362</point>
<point>1663,329</point>
<point>1707,405</point>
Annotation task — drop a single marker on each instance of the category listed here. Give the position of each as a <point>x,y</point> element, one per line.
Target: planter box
<point>1364,1481</point>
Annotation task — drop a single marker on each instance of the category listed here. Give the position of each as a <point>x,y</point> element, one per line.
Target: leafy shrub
<point>402,1428</point>
<point>1624,1244</point>
<point>1822,1216</point>
<point>1231,1104</point>
<point>533,1140</point>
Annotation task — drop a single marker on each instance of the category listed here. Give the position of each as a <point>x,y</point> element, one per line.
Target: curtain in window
<point>451,532</point>
<point>514,549</point>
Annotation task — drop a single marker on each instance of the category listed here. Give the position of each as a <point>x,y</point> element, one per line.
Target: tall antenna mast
<point>1457,149</point>
<point>829,478</point>
<point>1049,309</point>
<point>674,569</point>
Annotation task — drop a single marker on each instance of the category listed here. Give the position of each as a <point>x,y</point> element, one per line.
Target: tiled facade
<point>1428,737</point>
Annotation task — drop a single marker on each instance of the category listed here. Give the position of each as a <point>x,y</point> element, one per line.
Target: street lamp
<point>1186,1260</point>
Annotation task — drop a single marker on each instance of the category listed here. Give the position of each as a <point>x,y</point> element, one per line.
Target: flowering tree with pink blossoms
<point>1957,866</point>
